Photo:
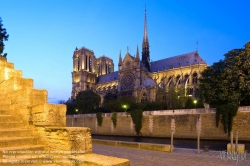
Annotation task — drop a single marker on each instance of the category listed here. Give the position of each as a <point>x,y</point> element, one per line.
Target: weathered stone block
<point>49,115</point>
<point>76,140</point>
<point>38,97</point>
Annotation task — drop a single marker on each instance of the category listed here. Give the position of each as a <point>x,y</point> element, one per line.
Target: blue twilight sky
<point>44,33</point>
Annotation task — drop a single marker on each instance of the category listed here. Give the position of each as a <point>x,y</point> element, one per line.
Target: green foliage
<point>149,106</point>
<point>227,81</point>
<point>71,108</point>
<point>110,97</point>
<point>117,105</point>
<point>190,103</point>
<point>3,37</point>
<point>136,116</point>
<point>114,119</point>
<point>225,113</point>
<point>87,101</point>
<point>99,118</point>
<point>174,98</point>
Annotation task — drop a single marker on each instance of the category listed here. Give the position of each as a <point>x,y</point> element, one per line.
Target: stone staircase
<point>34,132</point>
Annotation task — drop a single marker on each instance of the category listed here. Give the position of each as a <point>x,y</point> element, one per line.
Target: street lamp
<point>125,107</point>
<point>195,102</point>
<point>76,110</point>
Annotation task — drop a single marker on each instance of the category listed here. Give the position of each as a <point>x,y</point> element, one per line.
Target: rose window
<point>127,81</point>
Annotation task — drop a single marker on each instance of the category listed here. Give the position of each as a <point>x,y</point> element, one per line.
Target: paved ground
<point>180,157</point>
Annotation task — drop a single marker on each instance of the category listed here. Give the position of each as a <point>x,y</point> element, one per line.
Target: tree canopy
<point>87,102</point>
<point>228,81</point>
<point>3,37</point>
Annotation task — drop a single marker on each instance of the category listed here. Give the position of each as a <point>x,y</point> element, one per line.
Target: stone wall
<point>157,124</point>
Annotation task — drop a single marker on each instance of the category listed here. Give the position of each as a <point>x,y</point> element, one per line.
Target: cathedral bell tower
<point>145,46</point>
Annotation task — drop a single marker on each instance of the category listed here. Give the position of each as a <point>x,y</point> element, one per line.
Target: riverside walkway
<point>180,157</point>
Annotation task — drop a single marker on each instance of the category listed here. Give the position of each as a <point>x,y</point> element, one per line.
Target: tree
<point>87,101</point>
<point>3,37</point>
<point>228,81</point>
<point>71,108</point>
<point>110,97</point>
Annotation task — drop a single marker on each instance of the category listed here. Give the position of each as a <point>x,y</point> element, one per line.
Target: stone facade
<point>158,124</point>
<point>138,77</point>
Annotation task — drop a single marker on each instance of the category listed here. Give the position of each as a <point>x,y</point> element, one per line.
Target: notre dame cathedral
<point>136,76</point>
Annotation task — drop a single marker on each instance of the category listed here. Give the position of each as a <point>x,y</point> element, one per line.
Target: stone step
<point>5,101</point>
<point>15,132</point>
<point>17,141</point>
<point>13,124</point>
<point>7,118</point>
<point>6,111</point>
<point>16,83</point>
<point>6,107</point>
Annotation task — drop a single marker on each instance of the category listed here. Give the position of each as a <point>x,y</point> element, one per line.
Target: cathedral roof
<point>107,78</point>
<point>177,61</point>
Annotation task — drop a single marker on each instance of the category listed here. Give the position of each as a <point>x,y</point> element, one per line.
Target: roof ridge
<point>176,56</point>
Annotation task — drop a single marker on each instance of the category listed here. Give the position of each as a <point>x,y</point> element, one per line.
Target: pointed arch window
<point>186,78</point>
<point>90,64</point>
<point>98,69</point>
<point>144,98</point>
<point>86,63</point>
<point>108,68</point>
<point>78,63</point>
<point>195,78</point>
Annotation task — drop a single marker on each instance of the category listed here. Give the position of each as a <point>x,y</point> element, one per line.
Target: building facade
<point>136,76</point>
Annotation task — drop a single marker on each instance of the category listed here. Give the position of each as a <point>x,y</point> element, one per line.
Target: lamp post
<point>125,107</point>
<point>76,110</point>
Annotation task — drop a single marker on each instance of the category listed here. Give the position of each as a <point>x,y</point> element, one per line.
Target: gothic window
<point>78,64</point>
<point>195,78</point>
<point>191,91</point>
<point>108,68</point>
<point>86,62</point>
<point>90,65</point>
<point>98,69</point>
<point>144,98</point>
<point>164,98</point>
<point>128,81</point>
<point>186,79</point>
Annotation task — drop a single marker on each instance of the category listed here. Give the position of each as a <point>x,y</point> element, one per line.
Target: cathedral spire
<point>145,45</point>
<point>137,53</point>
<point>145,37</point>
<point>120,58</point>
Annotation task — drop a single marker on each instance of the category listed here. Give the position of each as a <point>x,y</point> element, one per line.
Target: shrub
<point>114,119</point>
<point>136,116</point>
<point>99,118</point>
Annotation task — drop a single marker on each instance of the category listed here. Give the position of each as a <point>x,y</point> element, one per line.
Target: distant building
<point>136,76</point>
